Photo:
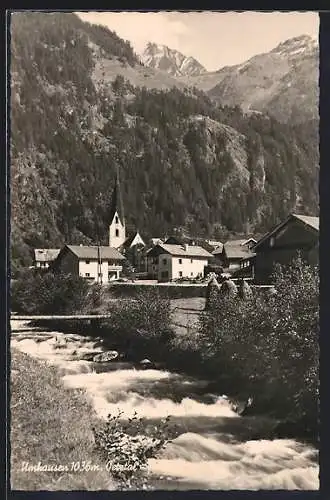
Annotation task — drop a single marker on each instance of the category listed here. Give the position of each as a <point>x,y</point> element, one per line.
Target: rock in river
<point>103,357</point>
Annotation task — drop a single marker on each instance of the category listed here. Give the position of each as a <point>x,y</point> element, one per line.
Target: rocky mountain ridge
<point>282,82</point>
<point>171,61</point>
<point>186,163</point>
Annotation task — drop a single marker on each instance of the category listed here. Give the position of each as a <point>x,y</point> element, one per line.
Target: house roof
<point>240,242</point>
<point>46,254</point>
<point>91,252</point>
<point>307,219</point>
<point>235,243</point>
<point>127,243</point>
<point>311,222</point>
<point>237,252</point>
<point>155,241</point>
<point>218,251</point>
<point>185,250</point>
<point>172,240</point>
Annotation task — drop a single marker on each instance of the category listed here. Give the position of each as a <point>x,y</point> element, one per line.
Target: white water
<point>207,453</point>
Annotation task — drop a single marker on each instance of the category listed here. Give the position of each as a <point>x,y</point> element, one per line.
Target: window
<point>117,220</point>
<point>164,274</point>
<point>164,262</point>
<point>87,261</point>
<point>191,261</point>
<point>180,274</point>
<point>180,261</point>
<point>117,232</point>
<point>87,275</point>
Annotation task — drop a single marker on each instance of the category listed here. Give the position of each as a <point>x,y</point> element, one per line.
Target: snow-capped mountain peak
<point>297,46</point>
<point>172,61</point>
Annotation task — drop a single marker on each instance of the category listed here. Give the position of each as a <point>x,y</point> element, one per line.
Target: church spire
<point>117,201</point>
<point>117,231</point>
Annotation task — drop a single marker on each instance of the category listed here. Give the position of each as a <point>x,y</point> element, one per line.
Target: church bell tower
<point>117,232</point>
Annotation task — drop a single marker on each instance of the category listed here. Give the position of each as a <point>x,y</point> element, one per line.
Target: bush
<point>268,345</point>
<point>142,322</point>
<point>38,292</point>
<point>127,449</point>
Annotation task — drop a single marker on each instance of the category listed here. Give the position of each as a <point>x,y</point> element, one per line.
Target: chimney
<point>186,246</point>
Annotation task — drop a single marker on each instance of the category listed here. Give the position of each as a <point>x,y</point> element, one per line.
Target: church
<point>96,263</point>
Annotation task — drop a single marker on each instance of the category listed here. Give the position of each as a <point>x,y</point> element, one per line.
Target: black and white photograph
<point>164,250</point>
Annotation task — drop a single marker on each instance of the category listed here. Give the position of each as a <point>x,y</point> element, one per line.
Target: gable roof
<point>172,240</point>
<point>185,250</point>
<point>311,222</point>
<point>237,252</point>
<point>91,252</point>
<point>117,201</point>
<point>235,243</point>
<point>218,250</point>
<point>127,243</point>
<point>46,254</point>
<point>308,220</point>
<point>240,242</point>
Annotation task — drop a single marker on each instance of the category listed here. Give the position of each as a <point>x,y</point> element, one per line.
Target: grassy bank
<point>53,426</point>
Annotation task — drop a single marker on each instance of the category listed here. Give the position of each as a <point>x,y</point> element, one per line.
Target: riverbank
<point>51,427</point>
<point>211,446</point>
<point>182,355</point>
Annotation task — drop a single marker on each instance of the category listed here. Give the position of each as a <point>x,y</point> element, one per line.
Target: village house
<point>43,257</point>
<point>166,262</point>
<point>95,263</point>
<point>233,252</point>
<point>296,234</point>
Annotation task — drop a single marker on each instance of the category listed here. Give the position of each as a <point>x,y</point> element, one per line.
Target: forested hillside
<point>184,162</point>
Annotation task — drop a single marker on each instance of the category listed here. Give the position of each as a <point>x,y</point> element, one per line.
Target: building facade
<point>44,257</point>
<point>298,234</point>
<point>233,252</point>
<point>96,264</point>
<point>166,262</point>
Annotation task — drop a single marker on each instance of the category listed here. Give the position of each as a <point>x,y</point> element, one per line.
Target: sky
<point>215,39</point>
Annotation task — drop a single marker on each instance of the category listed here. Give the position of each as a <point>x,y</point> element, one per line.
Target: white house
<point>167,262</point>
<point>43,257</point>
<point>101,264</point>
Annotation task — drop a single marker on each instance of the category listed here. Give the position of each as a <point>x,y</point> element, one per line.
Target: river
<point>214,448</point>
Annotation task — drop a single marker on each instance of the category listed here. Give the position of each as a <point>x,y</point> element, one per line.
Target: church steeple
<point>117,233</point>
<point>117,201</point>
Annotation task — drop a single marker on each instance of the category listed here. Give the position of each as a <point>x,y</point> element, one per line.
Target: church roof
<point>130,239</point>
<point>117,201</point>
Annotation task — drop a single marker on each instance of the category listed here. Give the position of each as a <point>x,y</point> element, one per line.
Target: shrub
<point>268,345</point>
<point>126,448</point>
<point>48,293</point>
<point>143,322</point>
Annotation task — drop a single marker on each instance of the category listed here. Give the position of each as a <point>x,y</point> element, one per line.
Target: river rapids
<point>214,447</point>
